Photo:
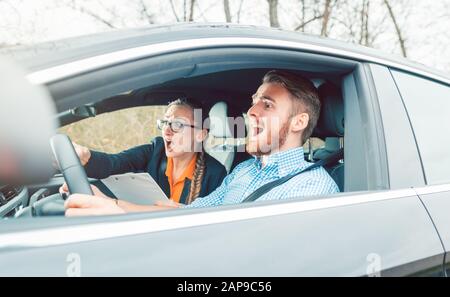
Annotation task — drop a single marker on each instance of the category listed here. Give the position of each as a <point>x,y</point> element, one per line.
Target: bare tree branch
<point>364,34</point>
<point>14,8</point>
<point>303,17</point>
<point>273,13</point>
<point>362,16</point>
<point>302,25</point>
<point>191,11</point>
<point>226,9</point>
<point>202,12</point>
<point>239,11</point>
<point>348,25</point>
<point>397,28</point>
<point>145,13</point>
<point>324,14</point>
<point>378,30</point>
<point>326,18</point>
<point>366,26</point>
<point>5,45</point>
<point>91,14</point>
<point>174,10</point>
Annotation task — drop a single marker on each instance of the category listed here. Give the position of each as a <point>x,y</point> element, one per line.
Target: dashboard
<point>12,199</point>
<point>138,188</point>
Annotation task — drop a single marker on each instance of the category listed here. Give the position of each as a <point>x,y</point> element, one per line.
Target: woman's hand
<point>84,154</point>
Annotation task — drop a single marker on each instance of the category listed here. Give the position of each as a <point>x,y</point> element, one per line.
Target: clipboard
<point>138,188</point>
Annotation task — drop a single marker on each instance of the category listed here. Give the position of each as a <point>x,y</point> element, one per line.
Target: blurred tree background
<point>416,29</point>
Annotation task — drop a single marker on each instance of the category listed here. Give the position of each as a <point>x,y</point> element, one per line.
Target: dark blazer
<point>151,158</point>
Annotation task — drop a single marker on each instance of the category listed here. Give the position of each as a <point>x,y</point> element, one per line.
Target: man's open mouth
<point>255,131</point>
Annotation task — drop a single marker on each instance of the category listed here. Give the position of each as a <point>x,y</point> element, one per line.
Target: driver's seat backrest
<point>219,131</point>
<point>330,127</point>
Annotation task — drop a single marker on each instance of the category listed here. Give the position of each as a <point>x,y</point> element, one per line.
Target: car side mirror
<point>27,121</point>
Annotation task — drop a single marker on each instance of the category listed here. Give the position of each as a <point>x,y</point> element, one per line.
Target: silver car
<point>389,115</point>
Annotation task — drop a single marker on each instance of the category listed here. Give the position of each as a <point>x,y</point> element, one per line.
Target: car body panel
<point>353,236</point>
<point>437,202</point>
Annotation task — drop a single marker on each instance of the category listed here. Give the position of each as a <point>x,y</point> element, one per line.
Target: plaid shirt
<point>251,175</point>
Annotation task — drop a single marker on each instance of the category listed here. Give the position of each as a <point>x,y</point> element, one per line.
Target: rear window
<point>428,105</point>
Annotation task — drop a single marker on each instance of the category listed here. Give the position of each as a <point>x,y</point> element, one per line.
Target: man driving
<point>284,112</point>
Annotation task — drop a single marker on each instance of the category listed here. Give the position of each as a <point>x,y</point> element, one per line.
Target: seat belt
<point>269,186</point>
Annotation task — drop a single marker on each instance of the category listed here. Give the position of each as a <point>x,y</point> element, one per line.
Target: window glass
<point>428,105</point>
<point>116,131</point>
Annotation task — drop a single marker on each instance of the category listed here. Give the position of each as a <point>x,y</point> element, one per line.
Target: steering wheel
<point>69,165</point>
<point>74,175</point>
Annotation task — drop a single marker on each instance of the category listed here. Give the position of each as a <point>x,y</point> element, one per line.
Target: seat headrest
<point>331,120</point>
<point>219,123</point>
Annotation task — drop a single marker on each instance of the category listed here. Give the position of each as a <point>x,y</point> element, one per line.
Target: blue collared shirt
<point>251,175</point>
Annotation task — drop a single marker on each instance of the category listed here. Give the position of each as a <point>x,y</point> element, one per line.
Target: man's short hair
<point>303,93</point>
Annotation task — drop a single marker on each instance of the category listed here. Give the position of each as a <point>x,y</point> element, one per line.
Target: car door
<point>428,103</point>
<point>371,230</point>
<point>386,233</point>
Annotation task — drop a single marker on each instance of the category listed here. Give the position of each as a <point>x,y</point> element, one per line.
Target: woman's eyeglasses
<point>175,126</point>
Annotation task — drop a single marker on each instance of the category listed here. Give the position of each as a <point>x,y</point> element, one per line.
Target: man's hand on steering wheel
<point>85,205</point>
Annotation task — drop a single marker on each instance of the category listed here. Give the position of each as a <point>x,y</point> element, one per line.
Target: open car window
<point>232,75</point>
<point>116,131</point>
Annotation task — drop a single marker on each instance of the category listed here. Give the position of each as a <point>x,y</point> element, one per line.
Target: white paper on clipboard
<point>138,188</point>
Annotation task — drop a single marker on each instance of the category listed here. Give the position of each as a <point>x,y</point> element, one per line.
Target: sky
<point>425,24</point>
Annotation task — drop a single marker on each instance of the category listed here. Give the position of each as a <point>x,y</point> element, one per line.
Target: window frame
<point>370,163</point>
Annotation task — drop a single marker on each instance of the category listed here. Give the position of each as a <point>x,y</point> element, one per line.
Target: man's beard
<point>268,149</point>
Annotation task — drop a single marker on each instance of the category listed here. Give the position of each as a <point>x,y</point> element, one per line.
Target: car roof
<point>50,54</point>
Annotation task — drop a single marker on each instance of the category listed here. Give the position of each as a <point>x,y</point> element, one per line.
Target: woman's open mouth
<point>169,144</point>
